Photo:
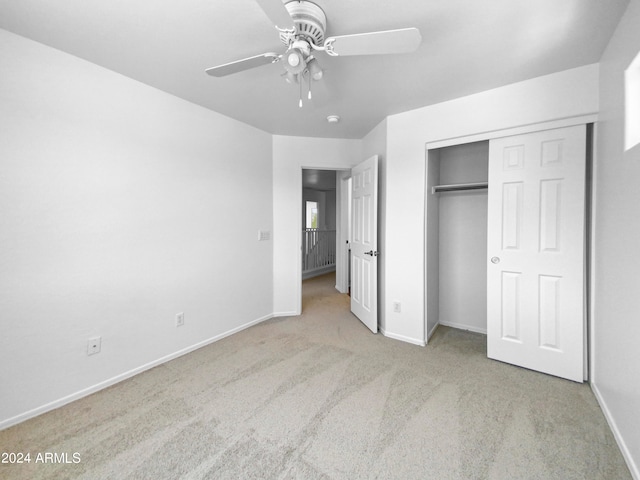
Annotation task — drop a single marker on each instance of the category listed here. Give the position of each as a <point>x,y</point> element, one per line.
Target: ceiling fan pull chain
<point>300,85</point>
<point>309,96</point>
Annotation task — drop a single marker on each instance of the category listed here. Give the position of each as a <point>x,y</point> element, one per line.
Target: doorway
<point>319,222</point>
<point>325,225</point>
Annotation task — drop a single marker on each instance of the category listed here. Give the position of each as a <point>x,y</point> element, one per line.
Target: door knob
<point>495,260</point>
<point>372,253</point>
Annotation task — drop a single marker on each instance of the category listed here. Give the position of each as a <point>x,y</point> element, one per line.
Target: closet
<point>506,245</point>
<point>457,236</point>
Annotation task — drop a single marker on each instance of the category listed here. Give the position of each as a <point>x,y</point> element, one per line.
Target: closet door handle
<point>495,260</point>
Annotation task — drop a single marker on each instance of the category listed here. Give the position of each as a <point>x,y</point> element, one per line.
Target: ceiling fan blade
<point>375,43</point>
<point>244,64</point>
<point>277,13</point>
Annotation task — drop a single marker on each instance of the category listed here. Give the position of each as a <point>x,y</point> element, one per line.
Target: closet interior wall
<point>457,239</point>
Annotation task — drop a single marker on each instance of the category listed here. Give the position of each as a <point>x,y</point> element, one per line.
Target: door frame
<point>343,237</point>
<point>489,135</point>
<point>339,214</point>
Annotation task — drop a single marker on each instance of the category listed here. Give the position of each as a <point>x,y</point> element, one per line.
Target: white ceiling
<point>468,46</point>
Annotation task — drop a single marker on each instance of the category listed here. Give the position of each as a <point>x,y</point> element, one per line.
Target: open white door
<point>364,242</point>
<point>535,273</point>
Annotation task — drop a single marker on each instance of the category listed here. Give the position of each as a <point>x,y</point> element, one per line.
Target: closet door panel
<point>511,306</point>
<point>550,215</point>
<point>536,228</point>
<point>512,215</point>
<point>549,302</point>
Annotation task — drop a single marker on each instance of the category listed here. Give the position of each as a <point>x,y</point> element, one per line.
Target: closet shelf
<point>459,187</point>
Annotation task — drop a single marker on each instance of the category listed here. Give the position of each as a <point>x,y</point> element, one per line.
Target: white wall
<point>616,321</point>
<point>120,206</point>
<point>375,143</point>
<point>565,94</point>
<point>462,263</point>
<point>330,210</point>
<point>290,156</point>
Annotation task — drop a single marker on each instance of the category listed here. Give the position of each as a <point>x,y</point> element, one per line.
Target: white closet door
<point>535,273</point>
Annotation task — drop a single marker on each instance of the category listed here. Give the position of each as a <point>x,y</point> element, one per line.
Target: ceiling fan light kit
<point>302,27</point>
<point>295,61</point>
<point>314,69</point>
<point>290,77</point>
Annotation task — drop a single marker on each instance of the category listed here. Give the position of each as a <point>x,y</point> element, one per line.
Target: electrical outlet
<point>179,319</point>
<point>397,307</point>
<point>264,235</point>
<point>94,345</point>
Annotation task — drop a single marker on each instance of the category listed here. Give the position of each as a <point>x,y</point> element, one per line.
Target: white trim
<point>316,272</point>
<point>425,259</point>
<point>342,240</point>
<point>340,291</point>
<point>402,338</point>
<point>123,376</point>
<point>592,355</point>
<point>626,453</point>
<point>292,313</point>
<point>507,132</point>
<point>432,331</point>
<point>461,326</point>
<point>590,297</point>
<point>425,255</point>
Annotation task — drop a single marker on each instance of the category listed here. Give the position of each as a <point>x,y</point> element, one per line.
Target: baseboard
<point>123,376</point>
<point>633,468</point>
<point>402,338</point>
<point>432,331</point>
<point>285,314</point>
<point>341,290</point>
<point>462,326</point>
<point>318,271</point>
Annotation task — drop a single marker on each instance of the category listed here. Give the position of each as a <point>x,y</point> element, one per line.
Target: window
<point>312,215</point>
<point>632,104</point>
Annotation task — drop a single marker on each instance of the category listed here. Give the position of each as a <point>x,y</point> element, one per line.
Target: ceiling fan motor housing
<point>310,21</point>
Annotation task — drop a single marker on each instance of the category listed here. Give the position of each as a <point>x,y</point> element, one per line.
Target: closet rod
<point>459,186</point>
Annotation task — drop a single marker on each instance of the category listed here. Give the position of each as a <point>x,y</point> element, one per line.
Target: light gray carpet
<point>318,396</point>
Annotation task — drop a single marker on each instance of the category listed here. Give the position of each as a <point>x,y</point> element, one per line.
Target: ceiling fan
<point>302,25</point>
